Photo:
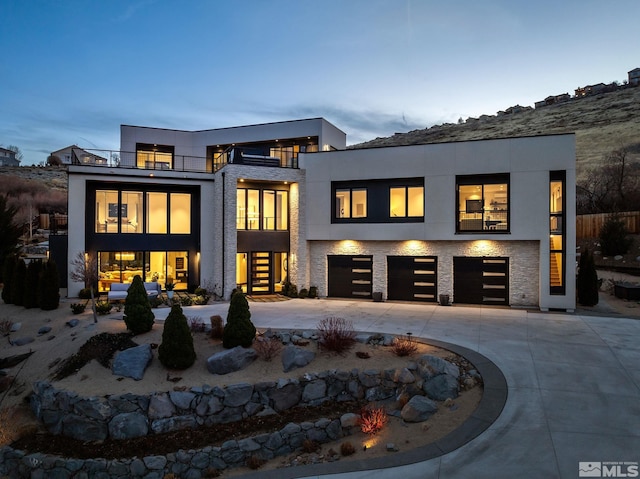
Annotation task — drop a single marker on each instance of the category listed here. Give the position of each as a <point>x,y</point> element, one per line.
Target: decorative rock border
<point>194,463</point>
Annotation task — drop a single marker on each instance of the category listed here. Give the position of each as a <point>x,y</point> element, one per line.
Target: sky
<point>73,71</point>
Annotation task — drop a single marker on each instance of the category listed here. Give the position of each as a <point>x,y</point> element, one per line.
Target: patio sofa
<point>118,291</point>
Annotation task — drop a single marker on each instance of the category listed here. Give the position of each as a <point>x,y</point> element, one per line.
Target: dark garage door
<point>412,278</point>
<point>481,280</point>
<point>350,276</point>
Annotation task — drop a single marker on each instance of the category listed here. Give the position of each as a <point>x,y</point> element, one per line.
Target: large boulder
<point>441,387</point>
<point>418,409</point>
<point>231,360</point>
<point>294,357</point>
<point>132,362</point>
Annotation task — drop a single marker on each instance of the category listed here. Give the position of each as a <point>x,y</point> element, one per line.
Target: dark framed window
<point>262,209</point>
<point>557,228</point>
<point>482,203</point>
<point>154,157</point>
<point>390,200</point>
<point>351,203</point>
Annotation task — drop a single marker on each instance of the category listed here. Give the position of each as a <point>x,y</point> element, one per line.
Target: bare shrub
<point>372,419</point>
<point>363,354</point>
<point>217,326</point>
<point>255,462</point>
<point>347,449</point>
<point>404,345</point>
<point>310,446</point>
<point>336,334</point>
<point>267,348</point>
<point>5,326</point>
<point>196,324</point>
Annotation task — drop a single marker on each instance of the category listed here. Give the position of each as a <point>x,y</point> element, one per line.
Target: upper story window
<point>483,203</point>
<point>406,201</point>
<point>154,157</point>
<point>262,209</point>
<point>351,203</point>
<point>125,212</point>
<point>389,200</point>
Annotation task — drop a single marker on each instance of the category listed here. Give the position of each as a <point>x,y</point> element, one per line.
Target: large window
<point>557,243</point>
<point>139,212</point>
<point>406,201</point>
<point>351,203</point>
<point>160,266</point>
<point>483,203</point>
<point>264,209</point>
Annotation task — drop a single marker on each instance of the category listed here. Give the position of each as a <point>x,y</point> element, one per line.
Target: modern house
<point>634,76</point>
<point>485,222</point>
<point>8,158</point>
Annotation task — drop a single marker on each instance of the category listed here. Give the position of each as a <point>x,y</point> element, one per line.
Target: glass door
<point>260,272</point>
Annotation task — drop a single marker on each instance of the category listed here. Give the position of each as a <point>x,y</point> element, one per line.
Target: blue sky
<point>73,71</point>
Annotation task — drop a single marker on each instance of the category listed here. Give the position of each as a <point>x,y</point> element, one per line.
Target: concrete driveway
<point>573,385</point>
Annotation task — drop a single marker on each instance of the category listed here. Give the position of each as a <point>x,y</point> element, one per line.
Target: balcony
<point>250,156</point>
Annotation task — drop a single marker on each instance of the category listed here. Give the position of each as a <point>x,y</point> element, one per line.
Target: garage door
<point>350,276</point>
<point>412,278</point>
<point>481,280</point>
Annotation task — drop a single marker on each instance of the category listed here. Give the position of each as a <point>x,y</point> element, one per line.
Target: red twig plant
<point>336,334</point>
<point>372,419</point>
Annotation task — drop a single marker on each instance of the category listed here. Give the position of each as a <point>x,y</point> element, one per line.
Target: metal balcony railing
<point>282,158</point>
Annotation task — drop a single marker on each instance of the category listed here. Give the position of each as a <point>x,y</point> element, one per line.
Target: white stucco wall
<point>527,160</point>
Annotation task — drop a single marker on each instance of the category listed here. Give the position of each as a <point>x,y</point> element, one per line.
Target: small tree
<point>10,237</point>
<point>31,296</point>
<point>614,237</point>
<point>138,315</point>
<point>239,330</point>
<point>19,276</point>
<point>84,269</point>
<point>587,281</point>
<point>176,350</point>
<point>10,264</point>
<point>49,285</point>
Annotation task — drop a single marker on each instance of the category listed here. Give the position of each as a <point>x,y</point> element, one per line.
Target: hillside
<point>602,123</point>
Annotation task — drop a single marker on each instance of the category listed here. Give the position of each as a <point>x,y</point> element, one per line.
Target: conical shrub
<point>138,315</point>
<point>49,286</point>
<point>587,281</point>
<point>176,350</point>
<point>10,264</point>
<point>30,297</point>
<point>239,330</point>
<point>19,277</point>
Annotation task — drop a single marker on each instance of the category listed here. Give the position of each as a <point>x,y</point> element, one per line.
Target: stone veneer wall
<point>524,262</point>
<point>232,174</point>
<point>130,415</point>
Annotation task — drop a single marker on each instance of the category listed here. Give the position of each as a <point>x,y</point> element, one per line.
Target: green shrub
<point>313,291</point>
<point>19,276</point>
<point>614,237</point>
<point>103,307</point>
<point>176,350</point>
<point>49,286</point>
<point>587,281</point>
<point>85,293</point>
<point>304,292</point>
<point>186,301</point>
<point>30,298</point>
<point>239,330</point>
<point>10,264</point>
<point>289,289</point>
<point>137,310</point>
<point>78,308</point>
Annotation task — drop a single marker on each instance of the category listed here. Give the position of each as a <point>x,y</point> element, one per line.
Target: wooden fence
<point>589,226</point>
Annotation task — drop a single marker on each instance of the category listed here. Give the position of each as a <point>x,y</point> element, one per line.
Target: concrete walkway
<point>574,382</point>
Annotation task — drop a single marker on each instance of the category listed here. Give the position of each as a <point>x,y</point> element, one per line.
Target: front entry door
<point>260,272</point>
